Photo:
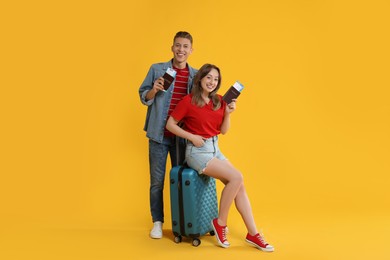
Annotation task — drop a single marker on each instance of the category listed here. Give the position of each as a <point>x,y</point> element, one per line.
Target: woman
<point>205,115</point>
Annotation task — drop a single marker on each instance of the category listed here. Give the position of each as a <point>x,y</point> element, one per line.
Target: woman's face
<point>210,81</point>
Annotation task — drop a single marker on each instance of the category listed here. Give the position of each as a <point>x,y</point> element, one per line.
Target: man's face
<point>181,49</point>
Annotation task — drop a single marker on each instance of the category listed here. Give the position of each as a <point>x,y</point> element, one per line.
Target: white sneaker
<point>156,231</point>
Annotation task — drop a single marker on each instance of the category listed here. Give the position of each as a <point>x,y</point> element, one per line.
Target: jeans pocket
<point>206,148</point>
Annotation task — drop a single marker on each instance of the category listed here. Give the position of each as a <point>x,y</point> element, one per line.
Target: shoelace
<point>260,237</point>
<point>224,234</point>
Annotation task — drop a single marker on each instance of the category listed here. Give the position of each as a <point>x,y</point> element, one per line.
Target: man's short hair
<point>183,34</point>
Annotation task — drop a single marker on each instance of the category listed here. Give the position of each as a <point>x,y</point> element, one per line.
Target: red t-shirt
<point>203,121</point>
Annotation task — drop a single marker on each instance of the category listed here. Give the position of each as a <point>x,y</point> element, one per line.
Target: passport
<point>169,76</point>
<point>233,92</point>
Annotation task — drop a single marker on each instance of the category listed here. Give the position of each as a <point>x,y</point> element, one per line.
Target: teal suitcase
<point>193,204</point>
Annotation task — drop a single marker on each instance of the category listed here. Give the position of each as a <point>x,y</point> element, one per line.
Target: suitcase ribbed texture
<point>193,202</point>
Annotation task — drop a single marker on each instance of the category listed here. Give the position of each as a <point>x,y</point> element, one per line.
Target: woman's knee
<point>236,176</point>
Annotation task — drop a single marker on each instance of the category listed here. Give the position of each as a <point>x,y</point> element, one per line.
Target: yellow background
<point>311,133</point>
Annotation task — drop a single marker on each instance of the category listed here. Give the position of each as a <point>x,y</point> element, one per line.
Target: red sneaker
<point>220,233</point>
<point>259,242</point>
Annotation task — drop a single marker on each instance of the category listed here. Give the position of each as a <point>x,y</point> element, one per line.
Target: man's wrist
<point>151,94</point>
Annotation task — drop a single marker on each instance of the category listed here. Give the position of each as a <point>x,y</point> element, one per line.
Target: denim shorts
<point>198,157</point>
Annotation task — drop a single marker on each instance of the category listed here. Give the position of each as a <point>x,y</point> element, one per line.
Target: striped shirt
<point>179,91</point>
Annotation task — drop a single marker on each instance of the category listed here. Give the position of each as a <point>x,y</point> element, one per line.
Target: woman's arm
<point>226,118</point>
<point>172,126</point>
<point>225,123</point>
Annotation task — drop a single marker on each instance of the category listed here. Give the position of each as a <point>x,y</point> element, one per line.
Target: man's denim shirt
<point>156,115</point>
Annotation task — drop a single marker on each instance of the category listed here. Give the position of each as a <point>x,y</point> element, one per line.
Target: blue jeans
<point>198,157</point>
<point>158,153</point>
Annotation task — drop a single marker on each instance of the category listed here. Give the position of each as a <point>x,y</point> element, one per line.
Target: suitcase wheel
<point>177,239</point>
<point>196,242</point>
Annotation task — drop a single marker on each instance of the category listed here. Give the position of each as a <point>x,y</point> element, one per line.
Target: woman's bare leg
<point>234,190</point>
<point>232,179</point>
<point>244,207</point>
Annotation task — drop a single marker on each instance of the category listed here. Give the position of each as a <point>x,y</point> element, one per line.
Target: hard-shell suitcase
<point>193,204</point>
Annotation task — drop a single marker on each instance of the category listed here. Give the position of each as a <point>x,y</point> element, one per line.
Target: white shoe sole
<point>156,236</point>
<point>261,248</point>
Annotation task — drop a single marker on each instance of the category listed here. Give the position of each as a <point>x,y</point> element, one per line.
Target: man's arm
<point>158,85</point>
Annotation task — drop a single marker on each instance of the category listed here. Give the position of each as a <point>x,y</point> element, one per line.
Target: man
<point>160,104</point>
